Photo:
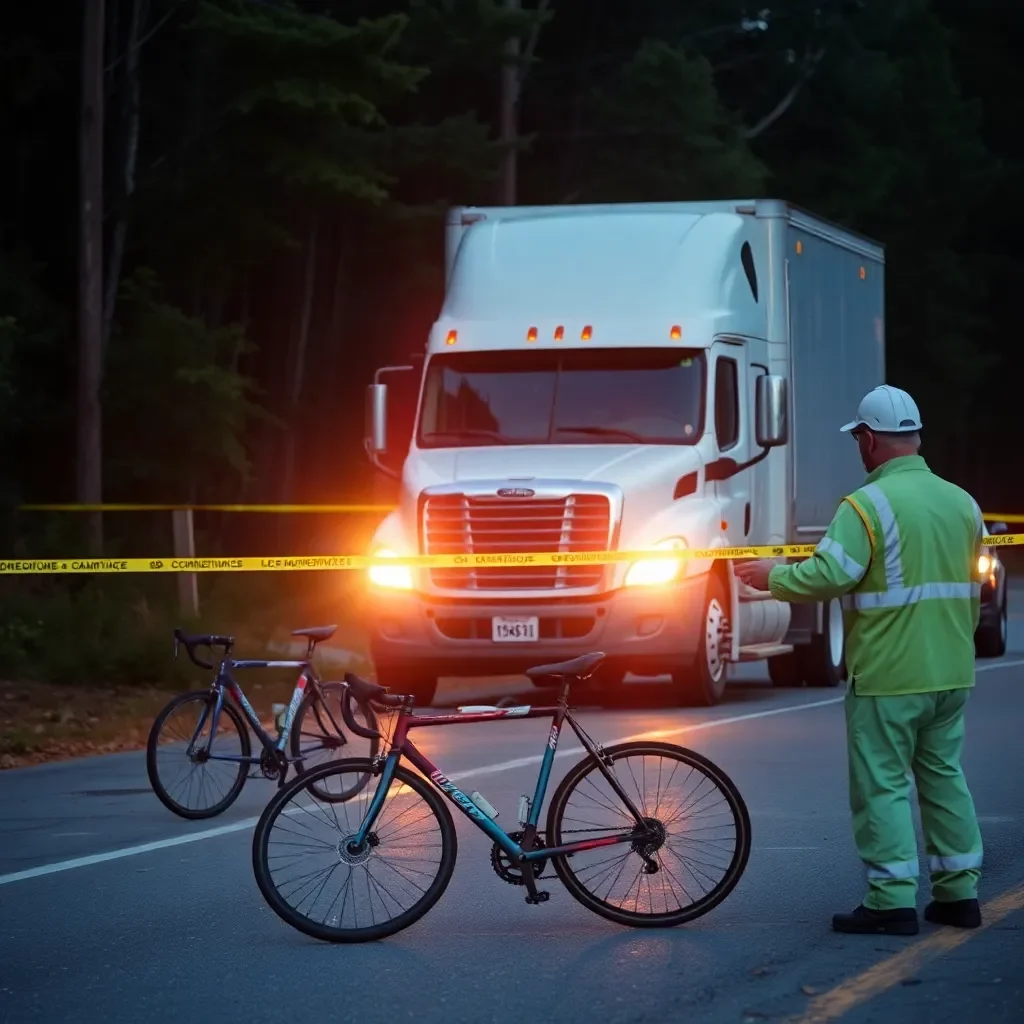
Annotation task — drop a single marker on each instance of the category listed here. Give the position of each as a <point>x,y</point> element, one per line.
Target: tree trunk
<point>298,367</point>
<point>90,285</point>
<point>130,108</point>
<point>508,120</point>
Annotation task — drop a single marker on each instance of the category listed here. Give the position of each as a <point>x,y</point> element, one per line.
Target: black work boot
<point>864,921</point>
<point>957,913</point>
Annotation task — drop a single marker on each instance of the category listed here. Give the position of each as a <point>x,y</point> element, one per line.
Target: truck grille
<point>456,524</point>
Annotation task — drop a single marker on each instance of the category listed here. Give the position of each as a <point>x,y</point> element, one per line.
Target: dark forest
<point>274,181</point>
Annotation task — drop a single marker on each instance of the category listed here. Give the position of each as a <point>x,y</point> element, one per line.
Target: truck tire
<point>824,658</point>
<point>990,638</point>
<point>407,679</point>
<point>702,682</point>
<point>786,669</point>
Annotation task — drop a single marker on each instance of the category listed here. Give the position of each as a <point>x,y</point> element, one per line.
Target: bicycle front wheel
<point>200,784</point>
<point>700,834</point>
<point>317,881</point>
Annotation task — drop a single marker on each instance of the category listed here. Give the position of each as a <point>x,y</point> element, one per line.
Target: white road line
<point>489,769</point>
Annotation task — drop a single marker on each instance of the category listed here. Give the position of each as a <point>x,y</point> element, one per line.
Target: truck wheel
<point>702,683</point>
<point>990,639</point>
<point>406,680</point>
<point>824,659</point>
<point>786,670</point>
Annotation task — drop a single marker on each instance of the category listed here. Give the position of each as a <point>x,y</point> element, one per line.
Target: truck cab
<point>614,378</point>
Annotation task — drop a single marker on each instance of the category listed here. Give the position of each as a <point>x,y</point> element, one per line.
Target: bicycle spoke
<point>196,783</point>
<point>689,833</point>
<point>314,869</point>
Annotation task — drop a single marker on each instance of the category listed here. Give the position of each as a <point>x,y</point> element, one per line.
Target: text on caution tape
<point>58,566</point>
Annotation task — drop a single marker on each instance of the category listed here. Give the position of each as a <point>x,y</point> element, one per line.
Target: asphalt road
<point>94,928</point>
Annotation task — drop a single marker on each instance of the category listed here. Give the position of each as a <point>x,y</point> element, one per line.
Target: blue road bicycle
<point>644,833</point>
<point>195,779</point>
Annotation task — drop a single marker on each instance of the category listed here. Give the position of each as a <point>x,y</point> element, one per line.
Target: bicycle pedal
<point>541,897</point>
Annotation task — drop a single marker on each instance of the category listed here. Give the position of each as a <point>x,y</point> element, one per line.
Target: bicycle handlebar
<point>364,694</point>
<point>192,642</point>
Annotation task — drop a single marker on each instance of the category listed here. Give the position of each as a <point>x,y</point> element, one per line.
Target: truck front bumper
<point>646,630</point>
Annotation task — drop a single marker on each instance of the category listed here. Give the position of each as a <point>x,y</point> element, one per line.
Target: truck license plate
<point>512,630</point>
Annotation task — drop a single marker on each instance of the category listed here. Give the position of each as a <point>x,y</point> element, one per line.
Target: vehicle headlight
<point>986,564</point>
<point>647,572</point>
<point>393,577</point>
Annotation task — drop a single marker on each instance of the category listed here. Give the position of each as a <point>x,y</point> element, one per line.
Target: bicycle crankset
<point>513,873</point>
<point>271,765</point>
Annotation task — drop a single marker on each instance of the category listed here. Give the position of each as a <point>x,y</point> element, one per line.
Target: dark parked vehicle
<point>990,636</point>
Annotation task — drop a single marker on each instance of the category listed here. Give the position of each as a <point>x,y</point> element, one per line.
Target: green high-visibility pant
<point>888,739</point>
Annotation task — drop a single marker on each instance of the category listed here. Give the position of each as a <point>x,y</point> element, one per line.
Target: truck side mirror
<point>391,415</point>
<point>771,415</point>
<point>376,438</point>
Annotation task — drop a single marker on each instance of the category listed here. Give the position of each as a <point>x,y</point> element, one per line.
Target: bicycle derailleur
<point>513,873</point>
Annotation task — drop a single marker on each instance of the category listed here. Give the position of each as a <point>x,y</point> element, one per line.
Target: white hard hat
<point>887,410</point>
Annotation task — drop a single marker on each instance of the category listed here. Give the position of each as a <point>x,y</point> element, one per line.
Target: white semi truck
<point>631,377</point>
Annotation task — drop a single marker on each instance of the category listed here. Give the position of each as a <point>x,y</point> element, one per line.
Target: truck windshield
<point>576,396</point>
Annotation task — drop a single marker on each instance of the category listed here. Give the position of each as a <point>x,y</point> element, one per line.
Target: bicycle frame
<point>226,682</point>
<point>401,746</point>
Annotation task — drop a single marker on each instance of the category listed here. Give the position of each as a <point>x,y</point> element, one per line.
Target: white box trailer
<point>625,377</point>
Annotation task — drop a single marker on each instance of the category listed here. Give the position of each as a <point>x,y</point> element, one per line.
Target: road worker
<point>902,553</point>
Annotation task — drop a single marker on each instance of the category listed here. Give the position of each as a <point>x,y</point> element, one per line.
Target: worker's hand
<point>755,573</point>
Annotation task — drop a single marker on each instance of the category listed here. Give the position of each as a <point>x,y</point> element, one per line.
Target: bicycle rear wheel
<point>186,716</point>
<point>610,880</point>
<point>387,884</point>
<point>318,737</point>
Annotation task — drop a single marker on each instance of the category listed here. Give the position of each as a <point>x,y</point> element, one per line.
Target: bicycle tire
<point>579,771</point>
<point>311,702</point>
<point>317,930</point>
<point>153,745</point>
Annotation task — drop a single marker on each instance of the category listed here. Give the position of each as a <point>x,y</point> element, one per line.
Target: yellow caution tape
<point>44,566</point>
<point>206,508</point>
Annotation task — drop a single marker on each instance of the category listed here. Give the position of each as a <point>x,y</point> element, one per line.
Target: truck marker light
<point>453,336</point>
<point>531,334</point>
<point>799,247</point>
<point>586,333</point>
<point>676,332</point>
<point>863,274</point>
<point>559,333</point>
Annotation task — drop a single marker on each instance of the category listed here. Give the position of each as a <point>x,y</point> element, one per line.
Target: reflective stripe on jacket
<point>902,553</point>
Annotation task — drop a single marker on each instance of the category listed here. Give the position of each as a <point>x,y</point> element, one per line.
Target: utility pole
<point>90,274</point>
<point>509,119</point>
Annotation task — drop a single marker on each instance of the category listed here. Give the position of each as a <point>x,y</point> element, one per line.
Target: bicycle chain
<point>512,873</point>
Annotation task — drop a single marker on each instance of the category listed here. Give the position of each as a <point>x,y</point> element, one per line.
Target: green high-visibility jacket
<point>902,553</point>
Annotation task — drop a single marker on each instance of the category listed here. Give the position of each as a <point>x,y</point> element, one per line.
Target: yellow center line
<point>883,976</point>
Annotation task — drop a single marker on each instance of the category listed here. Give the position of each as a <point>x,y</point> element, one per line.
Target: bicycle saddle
<point>317,633</point>
<point>577,668</point>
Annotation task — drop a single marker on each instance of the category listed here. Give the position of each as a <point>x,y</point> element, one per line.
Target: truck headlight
<point>986,563</point>
<point>648,572</point>
<point>392,577</point>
